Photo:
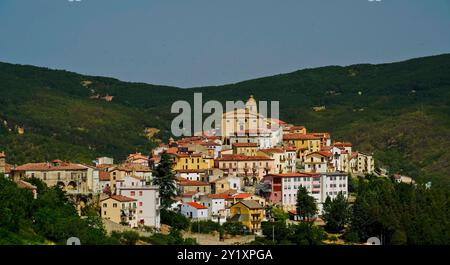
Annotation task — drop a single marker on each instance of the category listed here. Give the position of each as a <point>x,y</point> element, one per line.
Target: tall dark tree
<point>306,204</point>
<point>164,177</point>
<point>336,212</point>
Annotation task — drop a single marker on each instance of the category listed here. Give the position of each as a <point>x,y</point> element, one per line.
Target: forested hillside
<point>399,111</point>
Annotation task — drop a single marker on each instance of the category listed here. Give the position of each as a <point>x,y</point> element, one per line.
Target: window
<point>132,193</point>
<point>114,205</point>
<point>45,176</point>
<point>141,204</point>
<point>105,205</point>
<point>140,193</point>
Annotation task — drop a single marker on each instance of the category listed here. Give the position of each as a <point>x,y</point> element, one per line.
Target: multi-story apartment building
<point>147,197</point>
<point>281,189</point>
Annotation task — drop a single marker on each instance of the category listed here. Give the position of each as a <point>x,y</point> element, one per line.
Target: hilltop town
<point>237,177</point>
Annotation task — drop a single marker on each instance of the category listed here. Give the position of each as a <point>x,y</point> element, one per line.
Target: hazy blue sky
<point>209,42</point>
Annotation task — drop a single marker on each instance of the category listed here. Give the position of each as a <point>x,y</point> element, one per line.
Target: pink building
<point>281,189</point>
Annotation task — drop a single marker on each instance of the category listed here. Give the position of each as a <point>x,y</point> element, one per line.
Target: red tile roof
<point>188,155</point>
<point>196,205</point>
<point>121,198</point>
<point>300,136</point>
<point>272,150</point>
<point>322,153</point>
<point>245,145</point>
<point>342,144</point>
<point>193,183</point>
<point>242,158</point>
<point>294,175</point>
<point>49,167</point>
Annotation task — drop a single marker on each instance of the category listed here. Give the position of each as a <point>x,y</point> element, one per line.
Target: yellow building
<point>249,213</point>
<point>119,209</point>
<point>247,149</point>
<point>192,161</point>
<point>303,143</point>
<point>188,186</point>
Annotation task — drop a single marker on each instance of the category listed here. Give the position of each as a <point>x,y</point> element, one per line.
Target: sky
<point>190,43</point>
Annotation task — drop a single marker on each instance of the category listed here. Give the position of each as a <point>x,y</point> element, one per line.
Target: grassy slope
<point>400,111</point>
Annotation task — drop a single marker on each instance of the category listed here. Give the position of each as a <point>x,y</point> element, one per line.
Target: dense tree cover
<point>164,177</point>
<point>336,212</point>
<point>205,227</point>
<point>278,214</point>
<point>399,111</point>
<point>49,218</point>
<point>234,228</point>
<point>175,220</point>
<point>400,213</point>
<point>306,205</point>
<point>279,233</point>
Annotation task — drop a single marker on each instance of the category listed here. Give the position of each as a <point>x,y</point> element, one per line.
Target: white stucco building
<point>148,200</point>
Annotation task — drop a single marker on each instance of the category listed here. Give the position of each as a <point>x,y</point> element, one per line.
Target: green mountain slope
<point>400,111</point>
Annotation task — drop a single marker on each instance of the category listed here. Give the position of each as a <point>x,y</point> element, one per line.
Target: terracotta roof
<point>218,196</point>
<point>121,198</point>
<point>210,143</point>
<point>172,150</point>
<point>342,144</point>
<point>242,158</point>
<point>188,155</point>
<point>193,183</point>
<point>241,195</point>
<point>322,135</point>
<point>251,204</point>
<point>272,150</point>
<point>294,175</point>
<point>322,153</point>
<point>136,156</point>
<point>49,167</point>
<point>132,167</point>
<point>190,170</point>
<point>300,136</point>
<point>245,145</point>
<point>104,176</point>
<point>196,205</point>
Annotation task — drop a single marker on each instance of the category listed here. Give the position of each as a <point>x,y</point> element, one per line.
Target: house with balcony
<point>147,199</point>
<point>249,213</point>
<point>282,189</point>
<point>120,209</point>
